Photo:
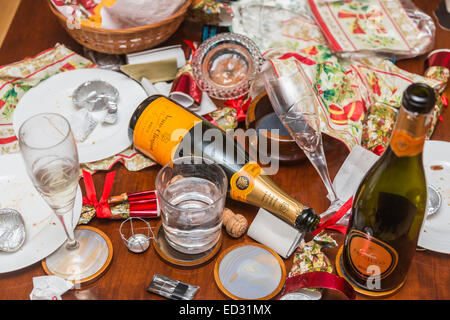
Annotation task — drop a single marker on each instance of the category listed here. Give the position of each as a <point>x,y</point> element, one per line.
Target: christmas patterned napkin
<point>378,26</point>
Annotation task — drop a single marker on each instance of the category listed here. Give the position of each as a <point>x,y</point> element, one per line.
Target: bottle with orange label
<point>163,130</point>
<point>389,205</point>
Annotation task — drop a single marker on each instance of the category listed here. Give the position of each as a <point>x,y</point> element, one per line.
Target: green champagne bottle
<point>389,206</point>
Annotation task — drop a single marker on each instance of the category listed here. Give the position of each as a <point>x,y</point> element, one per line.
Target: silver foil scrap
<point>95,95</point>
<point>12,230</point>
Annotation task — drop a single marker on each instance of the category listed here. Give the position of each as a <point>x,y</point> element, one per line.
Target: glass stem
<point>319,162</point>
<point>66,220</point>
<point>317,158</point>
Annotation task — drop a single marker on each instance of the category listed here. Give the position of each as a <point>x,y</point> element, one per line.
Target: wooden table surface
<point>34,29</point>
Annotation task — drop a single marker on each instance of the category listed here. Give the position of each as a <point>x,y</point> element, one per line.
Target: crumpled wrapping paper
<point>19,77</point>
<point>49,288</point>
<point>345,88</point>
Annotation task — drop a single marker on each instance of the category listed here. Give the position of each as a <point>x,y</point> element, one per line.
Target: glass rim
<point>212,162</point>
<point>22,141</point>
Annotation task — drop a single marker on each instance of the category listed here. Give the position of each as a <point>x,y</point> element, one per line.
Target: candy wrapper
<point>388,27</point>
<point>378,126</point>
<point>312,270</point>
<point>309,256</point>
<point>210,12</point>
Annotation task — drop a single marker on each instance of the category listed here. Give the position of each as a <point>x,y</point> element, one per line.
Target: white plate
<point>44,232</point>
<point>435,233</point>
<point>55,95</point>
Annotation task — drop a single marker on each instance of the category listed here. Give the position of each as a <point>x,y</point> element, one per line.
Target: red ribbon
<point>440,57</point>
<point>319,279</point>
<point>379,149</point>
<point>299,57</point>
<point>102,208</point>
<point>444,101</point>
<point>240,106</point>
<point>331,222</point>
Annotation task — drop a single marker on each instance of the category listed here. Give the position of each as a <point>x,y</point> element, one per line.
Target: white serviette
<point>49,288</point>
<point>352,171</point>
<point>274,233</point>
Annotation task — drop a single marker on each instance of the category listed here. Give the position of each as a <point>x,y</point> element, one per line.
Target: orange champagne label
<point>368,254</point>
<point>160,129</point>
<point>404,145</point>
<point>243,181</point>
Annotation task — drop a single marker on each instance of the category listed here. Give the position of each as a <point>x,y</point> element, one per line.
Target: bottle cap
<point>419,97</point>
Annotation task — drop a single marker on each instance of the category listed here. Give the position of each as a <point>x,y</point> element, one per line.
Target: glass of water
<point>192,192</point>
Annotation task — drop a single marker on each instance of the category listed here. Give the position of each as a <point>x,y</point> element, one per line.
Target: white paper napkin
<point>274,233</point>
<point>352,171</point>
<point>49,288</point>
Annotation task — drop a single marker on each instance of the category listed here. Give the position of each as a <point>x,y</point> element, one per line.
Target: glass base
<point>332,209</point>
<point>84,264</point>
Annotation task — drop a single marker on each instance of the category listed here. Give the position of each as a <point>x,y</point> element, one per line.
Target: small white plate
<point>55,95</point>
<point>44,232</point>
<point>435,233</point>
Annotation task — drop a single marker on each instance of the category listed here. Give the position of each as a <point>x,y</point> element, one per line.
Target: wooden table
<point>34,29</point>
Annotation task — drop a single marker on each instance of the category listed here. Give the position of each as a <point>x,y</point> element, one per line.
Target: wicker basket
<point>125,40</point>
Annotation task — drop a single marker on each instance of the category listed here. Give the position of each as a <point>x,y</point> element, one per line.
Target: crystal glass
<point>192,193</point>
<point>294,101</point>
<point>225,65</point>
<point>51,158</point>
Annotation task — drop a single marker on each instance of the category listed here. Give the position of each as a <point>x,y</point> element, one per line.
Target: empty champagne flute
<point>293,100</point>
<point>51,158</point>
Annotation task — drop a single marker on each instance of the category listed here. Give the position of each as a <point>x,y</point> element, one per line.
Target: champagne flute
<point>294,101</point>
<point>51,158</point>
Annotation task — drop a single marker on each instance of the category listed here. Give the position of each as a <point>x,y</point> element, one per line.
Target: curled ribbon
<point>240,105</point>
<point>102,208</point>
<point>331,222</point>
<point>319,279</point>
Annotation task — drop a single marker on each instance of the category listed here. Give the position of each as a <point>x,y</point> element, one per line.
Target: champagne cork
<point>235,224</point>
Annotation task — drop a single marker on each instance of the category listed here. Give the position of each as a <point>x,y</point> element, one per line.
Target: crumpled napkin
<point>274,233</point>
<point>49,288</point>
<point>352,171</point>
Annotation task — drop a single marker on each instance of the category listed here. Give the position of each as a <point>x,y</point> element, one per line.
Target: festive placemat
<point>381,26</point>
<point>19,77</point>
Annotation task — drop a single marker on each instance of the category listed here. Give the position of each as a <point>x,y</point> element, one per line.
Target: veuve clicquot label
<point>370,257</point>
<point>161,128</point>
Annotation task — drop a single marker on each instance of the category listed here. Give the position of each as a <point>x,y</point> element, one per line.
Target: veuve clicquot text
<point>389,205</point>
<point>163,130</point>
